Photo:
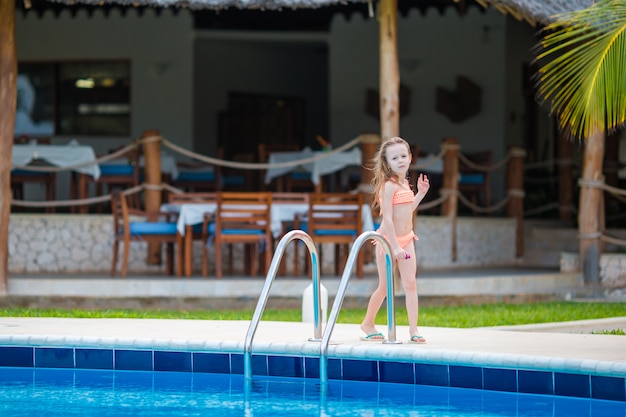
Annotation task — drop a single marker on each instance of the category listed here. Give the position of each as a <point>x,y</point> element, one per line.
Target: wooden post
<point>450,185</point>
<point>8,96</point>
<point>152,172</point>
<point>589,226</point>
<point>515,188</point>
<point>389,72</point>
<point>566,176</point>
<point>450,182</point>
<point>369,146</point>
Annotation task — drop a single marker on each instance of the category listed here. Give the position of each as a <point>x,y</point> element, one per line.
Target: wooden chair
<point>335,218</point>
<point>20,177</point>
<point>160,228</point>
<point>118,177</point>
<point>200,231</point>
<point>290,182</point>
<point>287,226</point>
<point>243,217</point>
<point>474,184</point>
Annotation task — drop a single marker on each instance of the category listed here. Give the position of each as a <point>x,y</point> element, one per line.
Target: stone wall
<point>71,243</point>
<point>612,267</point>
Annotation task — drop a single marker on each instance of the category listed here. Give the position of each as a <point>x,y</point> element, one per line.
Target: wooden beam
<point>8,96</point>
<point>515,186</point>
<point>389,72</point>
<point>152,172</point>
<point>589,217</point>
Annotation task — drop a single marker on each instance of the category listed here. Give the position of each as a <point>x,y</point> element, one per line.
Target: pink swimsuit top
<point>401,196</point>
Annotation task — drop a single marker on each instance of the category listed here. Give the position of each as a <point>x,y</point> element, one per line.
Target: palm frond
<point>582,68</point>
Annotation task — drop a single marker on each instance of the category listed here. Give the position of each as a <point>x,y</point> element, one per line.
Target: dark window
<point>73,98</point>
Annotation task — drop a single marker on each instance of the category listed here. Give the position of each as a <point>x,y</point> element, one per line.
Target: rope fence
<point>614,192</point>
<point>551,179</point>
<point>445,194</point>
<point>251,166</point>
<point>164,186</point>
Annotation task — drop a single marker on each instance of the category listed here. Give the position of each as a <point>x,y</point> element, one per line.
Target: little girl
<point>397,203</point>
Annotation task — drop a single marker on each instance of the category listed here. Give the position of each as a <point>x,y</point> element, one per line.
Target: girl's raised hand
<point>423,184</point>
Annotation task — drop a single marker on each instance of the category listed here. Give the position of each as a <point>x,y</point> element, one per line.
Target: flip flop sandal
<point>417,339</point>
<point>374,337</point>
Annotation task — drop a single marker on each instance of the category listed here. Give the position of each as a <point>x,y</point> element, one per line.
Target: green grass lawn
<point>464,316</point>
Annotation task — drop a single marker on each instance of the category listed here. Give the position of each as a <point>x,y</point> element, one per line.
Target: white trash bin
<point>308,314</point>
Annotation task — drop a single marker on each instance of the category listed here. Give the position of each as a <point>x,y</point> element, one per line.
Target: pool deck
<point>555,347</point>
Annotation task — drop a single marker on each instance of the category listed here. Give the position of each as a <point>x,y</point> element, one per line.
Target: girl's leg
<point>378,296</point>
<point>408,269</point>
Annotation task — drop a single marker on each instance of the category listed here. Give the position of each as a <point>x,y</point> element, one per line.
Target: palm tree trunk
<point>590,214</point>
<point>8,93</point>
<point>389,73</point>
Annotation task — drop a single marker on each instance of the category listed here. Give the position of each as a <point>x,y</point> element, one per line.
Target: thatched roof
<point>536,11</point>
<point>533,11</point>
<point>218,4</point>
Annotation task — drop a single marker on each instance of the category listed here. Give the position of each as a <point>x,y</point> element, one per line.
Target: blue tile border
<point>492,378</point>
<point>22,357</point>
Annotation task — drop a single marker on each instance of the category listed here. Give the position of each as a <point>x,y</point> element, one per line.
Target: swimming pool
<point>479,367</point>
<point>69,392</point>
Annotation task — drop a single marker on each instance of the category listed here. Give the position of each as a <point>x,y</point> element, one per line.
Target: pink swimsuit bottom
<point>403,241</point>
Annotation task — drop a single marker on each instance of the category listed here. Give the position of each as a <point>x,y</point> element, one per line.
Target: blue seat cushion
<point>234,180</point>
<point>472,179</point>
<point>27,172</point>
<point>335,233</point>
<point>152,228</point>
<point>241,232</point>
<point>304,227</point>
<point>197,228</point>
<point>116,170</point>
<point>301,175</point>
<point>196,176</point>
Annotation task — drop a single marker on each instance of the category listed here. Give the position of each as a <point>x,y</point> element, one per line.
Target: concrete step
<point>436,283</point>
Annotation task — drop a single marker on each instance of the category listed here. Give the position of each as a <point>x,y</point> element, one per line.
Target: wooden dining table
<point>57,155</point>
<point>190,214</point>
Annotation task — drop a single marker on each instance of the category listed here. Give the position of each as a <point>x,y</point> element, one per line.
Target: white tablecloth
<point>332,162</point>
<point>189,214</point>
<point>58,155</point>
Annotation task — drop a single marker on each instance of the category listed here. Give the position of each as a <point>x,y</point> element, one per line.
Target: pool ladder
<point>315,271</point>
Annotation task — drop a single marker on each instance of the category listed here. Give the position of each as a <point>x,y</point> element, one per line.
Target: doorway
<point>251,90</point>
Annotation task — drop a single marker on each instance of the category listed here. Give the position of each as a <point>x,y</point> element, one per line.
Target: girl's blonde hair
<point>382,172</point>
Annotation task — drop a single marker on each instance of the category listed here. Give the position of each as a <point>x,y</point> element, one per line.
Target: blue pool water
<point>32,392</point>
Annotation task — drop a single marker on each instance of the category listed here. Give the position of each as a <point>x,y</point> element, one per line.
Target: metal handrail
<point>391,320</point>
<point>271,275</point>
